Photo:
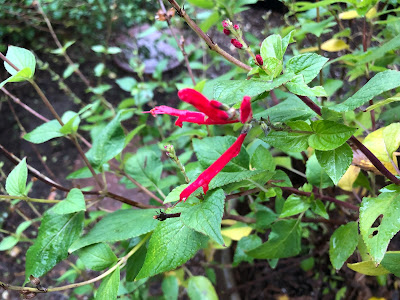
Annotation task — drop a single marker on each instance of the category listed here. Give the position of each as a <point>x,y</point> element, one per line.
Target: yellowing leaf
<point>228,222</point>
<point>375,298</point>
<point>227,242</point>
<point>371,13</point>
<point>391,137</point>
<point>334,45</point>
<point>346,182</point>
<point>310,49</point>
<point>350,14</point>
<point>368,268</point>
<point>236,233</point>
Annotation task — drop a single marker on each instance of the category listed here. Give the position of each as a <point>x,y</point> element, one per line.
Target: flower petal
<point>246,113</point>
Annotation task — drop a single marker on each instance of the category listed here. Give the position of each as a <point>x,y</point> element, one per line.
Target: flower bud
<point>236,43</point>
<point>225,24</point>
<point>236,26</point>
<point>265,128</point>
<point>227,31</point>
<point>259,60</point>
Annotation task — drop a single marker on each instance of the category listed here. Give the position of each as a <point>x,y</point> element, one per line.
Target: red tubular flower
<point>246,113</point>
<point>227,31</point>
<point>187,116</point>
<point>204,105</point>
<point>236,43</point>
<point>259,60</point>
<point>204,178</point>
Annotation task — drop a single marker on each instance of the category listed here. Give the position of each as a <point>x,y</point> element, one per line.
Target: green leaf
<point>298,87</point>
<point>329,135</point>
<point>381,82</point>
<point>272,47</point>
<point>173,196</point>
<point>316,175</point>
<point>208,150</point>
<point>210,21</point>
<point>56,234</point>
<point>380,51</point>
<point>97,257</point>
<point>44,132</point>
<point>113,50</point>
<point>16,180</point>
<point>368,268</point>
<point>377,238</point>
<point>135,263</point>
<point>335,162</point>
<point>145,167</point>
<point>119,225</point>
<point>98,48</point>
<point>73,203</point>
<point>24,60</point>
<point>126,83</point>
<point>108,289</point>
<point>391,262</point>
<point>200,288</point>
<point>230,92</point>
<point>283,241</point>
<point>69,70</point>
<point>294,205</point>
<point>262,159</point>
<point>171,245</point>
<point>170,288</point>
<point>224,178</point>
<point>22,75</point>
<point>202,3</point>
<point>319,208</point>
<point>342,244</point>
<point>291,141</point>
<point>109,143</point>
<point>71,122</point>
<point>391,137</point>
<point>205,216</point>
<point>245,244</point>
<point>8,242</point>
<point>22,227</point>
<point>308,64</point>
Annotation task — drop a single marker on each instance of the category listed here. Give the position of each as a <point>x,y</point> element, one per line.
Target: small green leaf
<point>8,242</point>
<point>335,162</point>
<point>377,238</point>
<point>170,288</point>
<point>113,50</point>
<point>108,289</point>
<point>69,70</point>
<point>272,47</point>
<point>16,180</point>
<point>202,3</point>
<point>97,257</point>
<point>316,175</point>
<point>44,132</point>
<point>200,288</point>
<point>294,205</point>
<point>206,216</point>
<point>56,234</point>
<point>98,48</point>
<point>245,244</point>
<point>262,159</point>
<point>301,89</point>
<point>117,226</point>
<point>23,59</point>
<point>126,83</point>
<point>71,122</point>
<point>308,64</point>
<point>381,82</point>
<point>173,196</point>
<point>22,227</point>
<point>329,135</point>
<point>73,203</point>
<point>283,241</point>
<point>343,243</point>
<point>319,208</point>
<point>171,245</point>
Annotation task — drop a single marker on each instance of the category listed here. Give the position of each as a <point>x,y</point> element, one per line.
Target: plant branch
<point>29,199</point>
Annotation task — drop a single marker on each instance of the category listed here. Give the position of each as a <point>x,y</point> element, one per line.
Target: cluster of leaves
<point>301,127</point>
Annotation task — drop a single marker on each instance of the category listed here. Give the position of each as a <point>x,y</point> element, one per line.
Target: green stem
<point>29,199</point>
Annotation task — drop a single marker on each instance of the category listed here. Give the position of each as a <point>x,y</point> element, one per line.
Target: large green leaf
<point>109,143</point>
<point>16,180</point>
<point>44,132</point>
<point>201,288</point>
<point>97,257</point>
<point>205,216</point>
<point>73,203</point>
<point>119,225</point>
<point>378,84</point>
<point>335,162</point>
<point>329,135</point>
<point>208,150</point>
<point>135,263</point>
<point>171,245</point>
<point>379,52</point>
<point>283,241</point>
<point>108,289</point>
<point>308,64</point>
<point>56,234</point>
<point>316,175</point>
<point>377,238</point>
<point>230,92</point>
<point>343,243</point>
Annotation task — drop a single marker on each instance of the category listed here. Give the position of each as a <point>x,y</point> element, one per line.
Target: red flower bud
<point>236,43</point>
<point>246,113</point>
<point>204,178</point>
<point>236,26</point>
<point>227,31</point>
<point>225,24</point>
<point>259,60</point>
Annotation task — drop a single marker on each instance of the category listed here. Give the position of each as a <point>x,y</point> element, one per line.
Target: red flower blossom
<point>204,105</point>
<point>187,116</point>
<point>236,43</point>
<point>259,60</point>
<point>227,31</point>
<point>246,113</point>
<point>204,178</point>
